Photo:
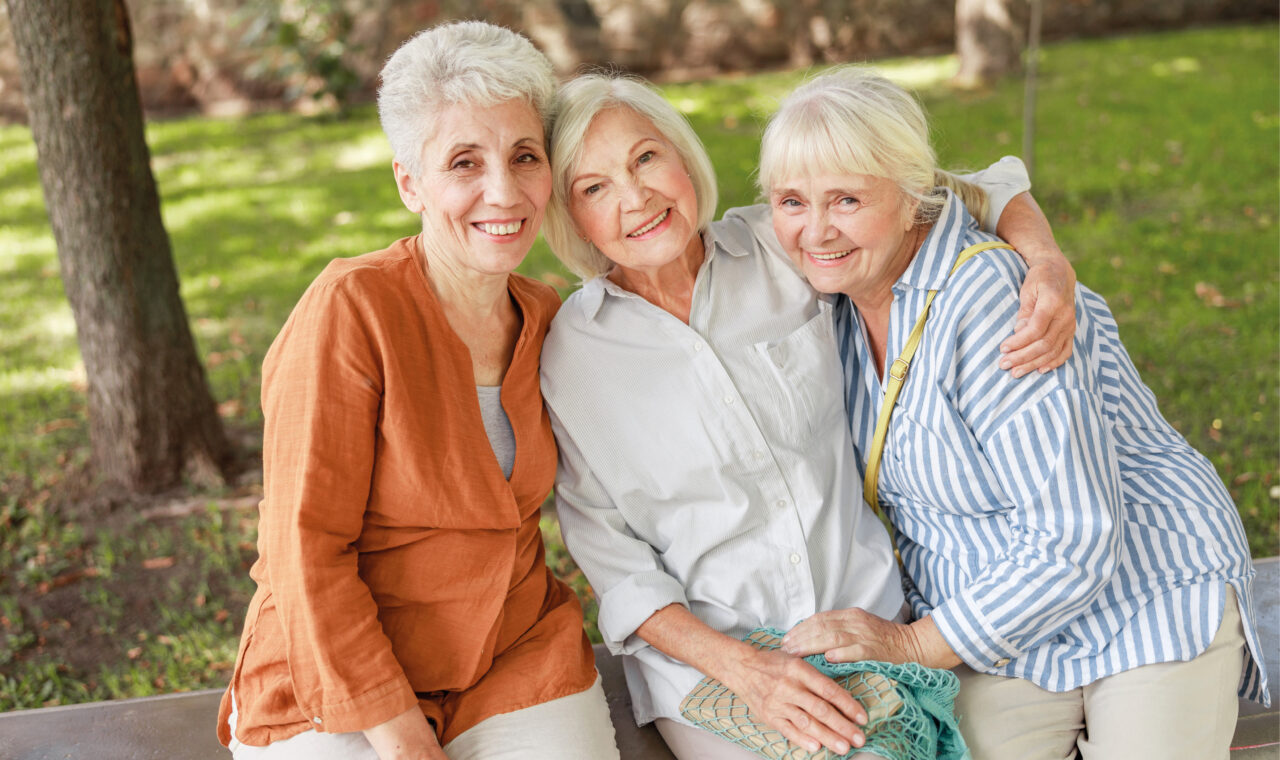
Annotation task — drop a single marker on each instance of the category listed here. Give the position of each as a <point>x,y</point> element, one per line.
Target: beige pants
<point>576,727</point>
<point>1169,710</point>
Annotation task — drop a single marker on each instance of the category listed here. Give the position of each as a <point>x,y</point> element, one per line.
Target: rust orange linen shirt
<point>397,566</point>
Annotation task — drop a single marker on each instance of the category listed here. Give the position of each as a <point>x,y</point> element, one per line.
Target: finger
<point>1058,360</point>
<point>798,737</point>
<point>827,695</point>
<point>1031,357</point>
<point>824,723</point>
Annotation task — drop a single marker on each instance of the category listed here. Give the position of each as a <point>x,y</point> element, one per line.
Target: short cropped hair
<point>851,120</point>
<point>577,103</point>
<point>468,62</point>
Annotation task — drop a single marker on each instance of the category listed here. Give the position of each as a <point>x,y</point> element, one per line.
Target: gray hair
<point>460,62</point>
<point>577,104</point>
<point>851,120</point>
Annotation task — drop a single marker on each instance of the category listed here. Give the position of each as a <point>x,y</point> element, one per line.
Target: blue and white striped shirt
<point>1055,527</point>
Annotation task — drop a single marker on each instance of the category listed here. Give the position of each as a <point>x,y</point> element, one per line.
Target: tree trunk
<point>151,416</point>
<point>988,40</point>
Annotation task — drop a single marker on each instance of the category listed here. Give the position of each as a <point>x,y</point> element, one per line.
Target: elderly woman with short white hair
<point>404,608</point>
<point>707,485</point>
<point>1081,566</point>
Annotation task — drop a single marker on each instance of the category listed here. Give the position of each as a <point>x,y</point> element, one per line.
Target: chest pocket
<point>805,366</point>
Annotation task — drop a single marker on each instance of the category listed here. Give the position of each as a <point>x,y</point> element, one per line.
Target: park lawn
<point>1156,161</point>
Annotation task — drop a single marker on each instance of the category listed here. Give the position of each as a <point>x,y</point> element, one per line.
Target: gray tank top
<point>498,427</point>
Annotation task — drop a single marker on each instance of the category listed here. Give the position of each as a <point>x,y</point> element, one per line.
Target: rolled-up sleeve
<point>321,396</point>
<point>625,571</point>
<point>1048,446</point>
<point>1001,181</point>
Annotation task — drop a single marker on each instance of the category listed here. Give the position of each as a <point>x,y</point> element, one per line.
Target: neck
<point>875,301</point>
<point>669,287</point>
<point>479,295</point>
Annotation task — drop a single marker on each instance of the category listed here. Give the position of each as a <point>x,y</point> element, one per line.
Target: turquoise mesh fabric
<point>910,710</point>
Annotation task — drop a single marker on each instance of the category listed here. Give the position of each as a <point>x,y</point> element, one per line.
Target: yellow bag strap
<point>898,373</point>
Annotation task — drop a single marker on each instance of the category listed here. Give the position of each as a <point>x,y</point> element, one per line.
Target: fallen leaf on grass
<point>221,615</point>
<point>134,653</point>
<point>157,563</point>
<point>55,425</point>
<point>66,578</point>
<point>1213,297</point>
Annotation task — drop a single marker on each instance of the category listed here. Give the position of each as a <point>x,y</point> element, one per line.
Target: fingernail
<point>1018,325</point>
<point>1006,363</point>
<point>1017,373</point>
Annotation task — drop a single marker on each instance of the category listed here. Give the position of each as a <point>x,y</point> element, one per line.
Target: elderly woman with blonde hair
<point>707,484</point>
<point>404,608</point>
<point>1077,562</point>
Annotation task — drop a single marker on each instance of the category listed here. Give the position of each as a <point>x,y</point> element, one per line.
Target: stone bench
<point>181,726</point>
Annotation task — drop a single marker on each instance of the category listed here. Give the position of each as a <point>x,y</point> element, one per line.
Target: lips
<point>651,224</point>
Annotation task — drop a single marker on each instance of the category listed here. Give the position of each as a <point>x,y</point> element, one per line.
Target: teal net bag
<point>910,710</point>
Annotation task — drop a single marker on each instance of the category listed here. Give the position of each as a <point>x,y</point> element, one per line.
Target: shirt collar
<point>595,289</point>
<point>932,263</point>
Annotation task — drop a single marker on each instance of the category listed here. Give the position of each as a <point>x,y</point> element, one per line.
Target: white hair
<point>577,104</point>
<point>468,62</point>
<point>851,120</point>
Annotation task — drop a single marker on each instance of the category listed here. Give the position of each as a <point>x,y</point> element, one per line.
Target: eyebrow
<point>591,175</point>
<point>461,147</point>
<point>828,194</point>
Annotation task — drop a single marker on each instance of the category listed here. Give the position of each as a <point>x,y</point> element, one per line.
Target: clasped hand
<point>808,708</point>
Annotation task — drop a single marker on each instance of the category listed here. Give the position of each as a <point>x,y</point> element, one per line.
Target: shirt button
<point>1000,663</point>
<point>795,558</point>
<point>697,346</point>
<point>728,400</point>
<point>782,503</point>
<point>758,454</point>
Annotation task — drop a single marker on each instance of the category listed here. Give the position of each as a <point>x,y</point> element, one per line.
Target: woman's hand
<point>805,706</point>
<point>854,634</point>
<point>407,736</point>
<point>785,692</point>
<point>1046,321</point>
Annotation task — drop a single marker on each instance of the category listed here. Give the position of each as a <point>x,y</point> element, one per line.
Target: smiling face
<point>631,195</point>
<point>850,234</point>
<point>483,188</point>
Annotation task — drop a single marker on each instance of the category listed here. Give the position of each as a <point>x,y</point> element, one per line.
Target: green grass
<point>1157,162</point>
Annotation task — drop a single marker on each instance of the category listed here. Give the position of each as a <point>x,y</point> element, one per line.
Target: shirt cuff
<point>971,636</point>
<point>378,705</point>
<point>626,606</point>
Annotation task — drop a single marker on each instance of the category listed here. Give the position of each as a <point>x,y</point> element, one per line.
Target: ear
<point>909,206</point>
<point>408,188</point>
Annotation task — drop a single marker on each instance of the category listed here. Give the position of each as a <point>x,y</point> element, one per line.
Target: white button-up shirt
<point>710,464</point>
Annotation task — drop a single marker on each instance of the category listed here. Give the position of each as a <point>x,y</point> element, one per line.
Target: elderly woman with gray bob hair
<point>404,608</point>
<point>1071,556</point>
<point>707,483</point>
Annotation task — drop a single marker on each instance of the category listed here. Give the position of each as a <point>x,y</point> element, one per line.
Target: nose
<point>634,194</point>
<point>501,188</point>
<point>816,231</point>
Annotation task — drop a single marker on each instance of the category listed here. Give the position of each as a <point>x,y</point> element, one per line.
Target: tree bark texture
<point>988,40</point>
<point>151,416</point>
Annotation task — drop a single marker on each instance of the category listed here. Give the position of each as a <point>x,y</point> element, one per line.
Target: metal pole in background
<point>1029,98</point>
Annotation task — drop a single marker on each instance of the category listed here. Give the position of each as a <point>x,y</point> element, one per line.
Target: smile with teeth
<point>509,228</point>
<point>830,256</point>
<point>659,219</point>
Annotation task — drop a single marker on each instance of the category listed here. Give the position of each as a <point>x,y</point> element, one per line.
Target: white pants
<point>692,743</point>
<point>576,727</point>
<point>1169,710</point>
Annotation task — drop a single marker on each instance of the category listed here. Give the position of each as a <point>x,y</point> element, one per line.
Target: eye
<point>789,203</point>
<point>591,189</point>
<point>528,157</point>
<point>462,163</point>
<point>645,157</point>
<point>847,200</point>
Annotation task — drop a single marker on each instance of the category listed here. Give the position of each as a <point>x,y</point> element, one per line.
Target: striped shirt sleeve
<point>1045,439</point>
